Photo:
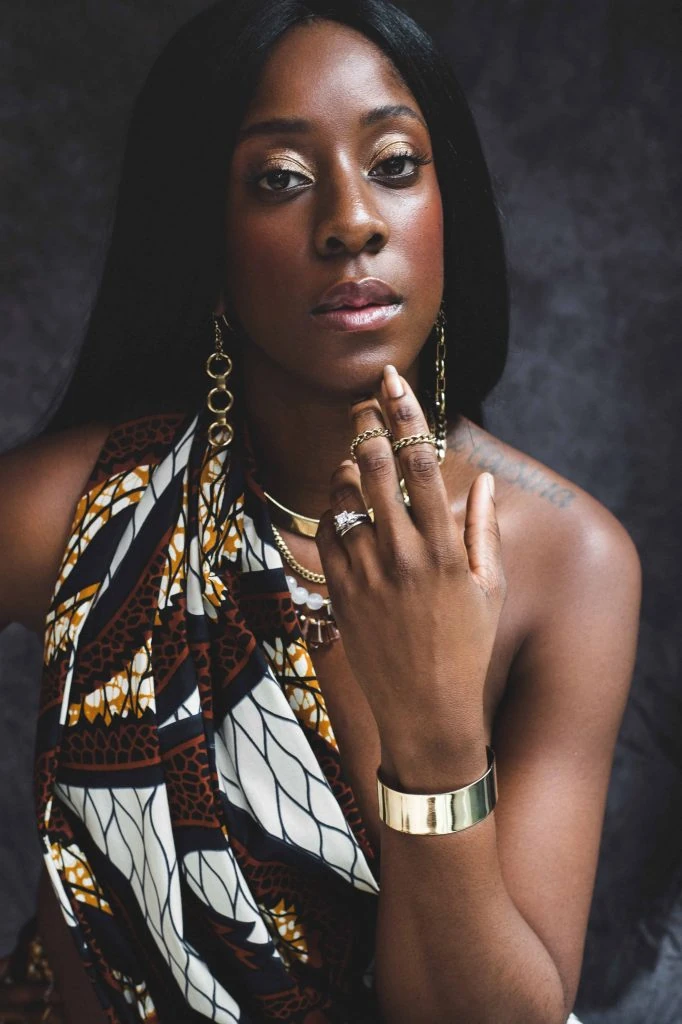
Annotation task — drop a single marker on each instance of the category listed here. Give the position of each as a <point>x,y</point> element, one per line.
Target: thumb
<point>482,533</point>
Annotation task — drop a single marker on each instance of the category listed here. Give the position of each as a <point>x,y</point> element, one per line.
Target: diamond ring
<point>345,521</point>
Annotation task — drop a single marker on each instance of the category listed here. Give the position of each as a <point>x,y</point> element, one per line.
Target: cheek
<point>422,239</point>
<point>264,256</point>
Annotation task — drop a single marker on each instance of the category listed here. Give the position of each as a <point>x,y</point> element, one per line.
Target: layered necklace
<point>319,630</point>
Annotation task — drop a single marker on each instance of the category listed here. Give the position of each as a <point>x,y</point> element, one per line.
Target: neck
<point>299,433</point>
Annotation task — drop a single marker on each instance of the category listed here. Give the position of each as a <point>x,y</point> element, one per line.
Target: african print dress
<point>206,850</point>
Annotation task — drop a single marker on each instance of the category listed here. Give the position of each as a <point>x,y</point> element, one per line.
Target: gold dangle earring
<point>441,425</point>
<point>219,400</point>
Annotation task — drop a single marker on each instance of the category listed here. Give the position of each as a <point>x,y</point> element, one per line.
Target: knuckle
<point>405,411</point>
<point>339,475</point>
<point>485,529</point>
<point>493,529</point>
<point>342,492</point>
<point>376,463</point>
<point>366,414</point>
<point>444,558</point>
<point>496,584</point>
<point>401,567</point>
<point>421,465</point>
<point>492,584</point>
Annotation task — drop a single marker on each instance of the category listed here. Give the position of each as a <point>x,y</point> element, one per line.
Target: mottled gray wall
<point>578,105</point>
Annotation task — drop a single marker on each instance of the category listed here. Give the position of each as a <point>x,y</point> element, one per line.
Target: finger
<point>346,496</point>
<point>379,478</point>
<point>419,462</point>
<point>333,554</point>
<point>482,534</point>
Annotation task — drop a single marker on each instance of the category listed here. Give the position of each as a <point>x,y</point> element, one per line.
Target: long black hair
<point>150,328</point>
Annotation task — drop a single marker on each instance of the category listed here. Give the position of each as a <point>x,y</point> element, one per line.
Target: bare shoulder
<point>556,537</point>
<point>40,485</point>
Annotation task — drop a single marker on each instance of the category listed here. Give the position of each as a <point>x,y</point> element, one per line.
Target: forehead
<point>323,69</point>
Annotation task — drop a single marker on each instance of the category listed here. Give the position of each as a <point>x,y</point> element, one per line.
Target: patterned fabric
<point>206,850</point>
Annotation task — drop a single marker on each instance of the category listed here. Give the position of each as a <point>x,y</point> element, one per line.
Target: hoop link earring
<point>441,420</point>
<point>219,400</point>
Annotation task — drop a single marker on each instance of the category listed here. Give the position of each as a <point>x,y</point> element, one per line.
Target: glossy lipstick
<point>357,305</point>
<point>362,318</point>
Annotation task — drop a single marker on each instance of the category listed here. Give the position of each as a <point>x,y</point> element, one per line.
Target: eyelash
<point>418,157</point>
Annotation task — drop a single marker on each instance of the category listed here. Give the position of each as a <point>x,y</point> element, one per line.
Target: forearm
<point>451,945</point>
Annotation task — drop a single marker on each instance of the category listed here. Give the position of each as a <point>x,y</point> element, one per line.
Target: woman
<point>280,622</point>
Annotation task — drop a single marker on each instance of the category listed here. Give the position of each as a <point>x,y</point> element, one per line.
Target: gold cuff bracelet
<point>437,814</point>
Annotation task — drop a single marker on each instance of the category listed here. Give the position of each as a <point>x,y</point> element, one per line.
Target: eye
<point>278,177</point>
<point>396,163</point>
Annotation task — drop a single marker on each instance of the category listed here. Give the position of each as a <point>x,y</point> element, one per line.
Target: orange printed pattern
<point>129,692</point>
<point>74,868</point>
<point>293,665</point>
<point>287,931</point>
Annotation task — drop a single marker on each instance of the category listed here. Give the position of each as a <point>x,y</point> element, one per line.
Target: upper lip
<point>368,291</point>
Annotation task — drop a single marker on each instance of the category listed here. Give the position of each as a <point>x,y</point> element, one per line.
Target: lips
<point>371,291</point>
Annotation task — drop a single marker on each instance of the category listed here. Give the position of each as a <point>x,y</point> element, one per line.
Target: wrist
<point>435,766</point>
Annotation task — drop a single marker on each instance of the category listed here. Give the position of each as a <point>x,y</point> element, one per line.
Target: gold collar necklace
<point>304,526</point>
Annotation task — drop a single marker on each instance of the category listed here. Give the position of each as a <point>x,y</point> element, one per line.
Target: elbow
<point>555,1009</point>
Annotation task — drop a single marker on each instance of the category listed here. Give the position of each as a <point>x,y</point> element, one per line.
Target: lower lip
<point>362,319</point>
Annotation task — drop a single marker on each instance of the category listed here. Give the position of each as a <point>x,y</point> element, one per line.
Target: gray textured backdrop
<point>578,105</point>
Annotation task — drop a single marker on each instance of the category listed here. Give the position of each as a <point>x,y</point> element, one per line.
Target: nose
<point>349,219</point>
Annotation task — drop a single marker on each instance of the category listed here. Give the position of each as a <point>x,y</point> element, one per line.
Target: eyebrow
<point>297,125</point>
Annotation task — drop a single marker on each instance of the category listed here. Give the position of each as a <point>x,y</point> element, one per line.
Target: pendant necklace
<point>318,630</point>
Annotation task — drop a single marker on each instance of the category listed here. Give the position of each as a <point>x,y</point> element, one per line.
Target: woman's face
<point>339,198</point>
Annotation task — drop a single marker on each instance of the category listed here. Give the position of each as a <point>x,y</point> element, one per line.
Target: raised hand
<point>417,600</point>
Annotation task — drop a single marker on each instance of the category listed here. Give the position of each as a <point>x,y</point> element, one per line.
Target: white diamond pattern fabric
<point>282,785</point>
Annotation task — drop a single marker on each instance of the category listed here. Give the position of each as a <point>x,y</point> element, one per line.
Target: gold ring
<point>405,442</point>
<point>365,436</point>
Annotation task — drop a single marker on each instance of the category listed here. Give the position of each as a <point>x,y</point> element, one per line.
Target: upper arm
<point>40,484</point>
<point>555,732</point>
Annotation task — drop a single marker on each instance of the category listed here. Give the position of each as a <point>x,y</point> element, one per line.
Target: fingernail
<point>394,385</point>
<point>491,485</point>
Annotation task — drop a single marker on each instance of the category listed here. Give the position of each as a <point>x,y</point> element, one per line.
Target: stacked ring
<point>405,442</point>
<point>365,436</point>
<point>345,521</point>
